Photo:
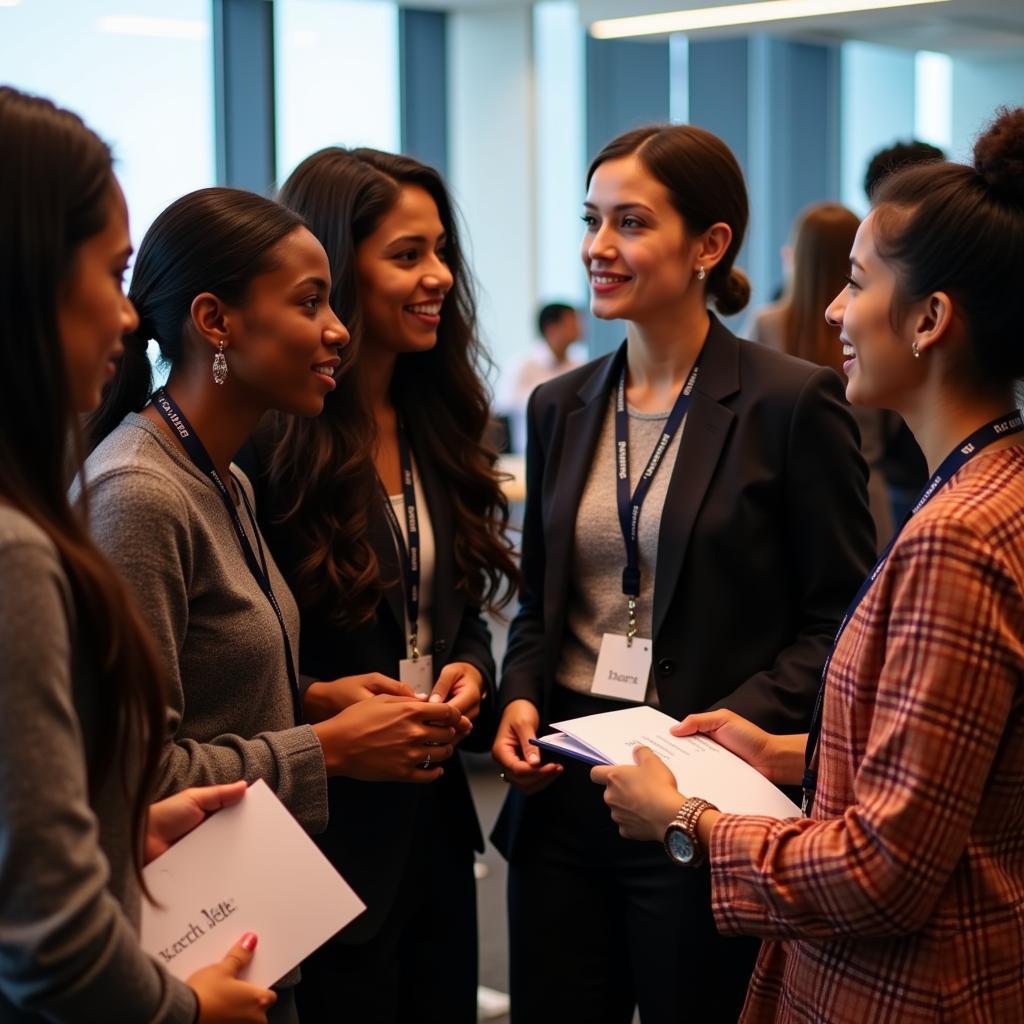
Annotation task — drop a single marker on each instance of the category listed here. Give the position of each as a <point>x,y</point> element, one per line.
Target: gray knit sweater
<point>163,524</point>
<point>69,900</point>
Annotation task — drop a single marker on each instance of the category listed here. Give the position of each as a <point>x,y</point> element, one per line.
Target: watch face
<point>679,846</point>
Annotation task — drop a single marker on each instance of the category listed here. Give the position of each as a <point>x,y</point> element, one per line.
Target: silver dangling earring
<point>915,350</point>
<point>220,365</point>
<point>700,274</point>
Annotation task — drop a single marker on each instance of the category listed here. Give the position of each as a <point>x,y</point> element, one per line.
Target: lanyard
<point>169,409</point>
<point>410,551</point>
<point>1003,426</point>
<point>630,505</point>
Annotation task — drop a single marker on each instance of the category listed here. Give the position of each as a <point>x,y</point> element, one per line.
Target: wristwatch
<point>681,842</point>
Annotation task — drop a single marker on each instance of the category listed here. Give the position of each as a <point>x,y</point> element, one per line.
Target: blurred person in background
<point>822,239</point>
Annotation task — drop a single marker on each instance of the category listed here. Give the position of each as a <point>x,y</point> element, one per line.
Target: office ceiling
<point>956,26</point>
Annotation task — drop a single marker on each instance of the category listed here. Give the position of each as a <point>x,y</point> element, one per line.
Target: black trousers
<point>600,925</point>
<point>421,966</point>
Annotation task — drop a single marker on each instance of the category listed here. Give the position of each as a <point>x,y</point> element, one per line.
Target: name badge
<point>622,671</point>
<point>418,674</point>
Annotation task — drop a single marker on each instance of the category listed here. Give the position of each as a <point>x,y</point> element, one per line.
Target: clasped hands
<point>375,728</point>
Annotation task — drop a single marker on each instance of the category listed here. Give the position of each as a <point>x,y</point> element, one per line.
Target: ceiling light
<point>162,28</point>
<point>738,14</point>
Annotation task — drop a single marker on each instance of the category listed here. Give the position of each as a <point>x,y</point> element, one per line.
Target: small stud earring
<point>700,274</point>
<point>915,350</point>
<point>220,365</point>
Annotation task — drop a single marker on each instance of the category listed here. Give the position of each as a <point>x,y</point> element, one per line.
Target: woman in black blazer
<point>387,518</point>
<point>753,537</point>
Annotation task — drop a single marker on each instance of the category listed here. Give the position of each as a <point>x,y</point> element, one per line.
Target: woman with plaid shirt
<point>900,896</point>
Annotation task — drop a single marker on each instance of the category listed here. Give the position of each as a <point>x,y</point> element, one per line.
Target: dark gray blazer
<point>765,536</point>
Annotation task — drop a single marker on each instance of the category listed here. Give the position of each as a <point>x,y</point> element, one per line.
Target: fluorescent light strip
<point>159,28</point>
<point>738,14</point>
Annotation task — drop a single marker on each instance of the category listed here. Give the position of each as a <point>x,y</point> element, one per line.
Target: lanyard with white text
<point>1003,426</point>
<point>630,506</point>
<point>409,550</point>
<point>196,450</point>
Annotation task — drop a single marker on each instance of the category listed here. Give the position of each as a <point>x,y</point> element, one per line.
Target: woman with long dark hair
<point>235,290</point>
<point>822,238</point>
<point>388,518</point>
<point>717,583</point>
<point>898,896</point>
<point>81,695</point>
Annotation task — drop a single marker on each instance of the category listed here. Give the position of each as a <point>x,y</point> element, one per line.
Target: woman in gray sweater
<point>81,703</point>
<point>234,288</point>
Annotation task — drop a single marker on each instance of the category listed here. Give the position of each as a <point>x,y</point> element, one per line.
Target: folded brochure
<point>701,766</point>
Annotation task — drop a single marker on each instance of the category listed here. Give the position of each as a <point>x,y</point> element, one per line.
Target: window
<point>337,77</point>
<point>139,74</point>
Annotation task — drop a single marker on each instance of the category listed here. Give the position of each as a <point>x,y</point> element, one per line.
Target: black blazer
<point>371,828</point>
<point>765,536</point>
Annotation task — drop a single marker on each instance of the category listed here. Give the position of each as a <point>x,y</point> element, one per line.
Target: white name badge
<point>418,674</point>
<point>622,670</point>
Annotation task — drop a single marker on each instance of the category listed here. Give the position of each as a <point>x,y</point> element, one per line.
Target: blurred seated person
<point>560,328</point>
<point>822,239</point>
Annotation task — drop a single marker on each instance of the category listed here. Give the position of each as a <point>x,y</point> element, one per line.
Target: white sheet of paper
<point>622,669</point>
<point>248,868</point>
<point>701,766</point>
<point>417,674</point>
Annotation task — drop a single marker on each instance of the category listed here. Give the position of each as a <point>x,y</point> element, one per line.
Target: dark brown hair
<point>706,186</point>
<point>56,184</point>
<point>324,466</point>
<point>821,261</point>
<point>216,240</point>
<point>960,229</point>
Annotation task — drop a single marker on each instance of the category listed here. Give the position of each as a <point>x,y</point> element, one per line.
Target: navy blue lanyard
<point>410,551</point>
<point>196,450</point>
<point>1003,426</point>
<point>631,505</point>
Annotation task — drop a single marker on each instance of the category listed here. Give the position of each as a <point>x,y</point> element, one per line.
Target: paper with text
<point>701,766</point>
<point>247,868</point>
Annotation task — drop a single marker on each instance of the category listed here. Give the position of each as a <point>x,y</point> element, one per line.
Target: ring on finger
<point>426,763</point>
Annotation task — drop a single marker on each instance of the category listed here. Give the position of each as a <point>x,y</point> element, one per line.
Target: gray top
<point>596,602</point>
<point>163,524</point>
<point>69,899</point>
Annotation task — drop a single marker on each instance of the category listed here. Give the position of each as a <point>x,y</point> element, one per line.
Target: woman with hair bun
<point>731,565</point>
<point>897,897</point>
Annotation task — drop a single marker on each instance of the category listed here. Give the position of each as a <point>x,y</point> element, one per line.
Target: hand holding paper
<point>170,819</point>
<point>223,998</point>
<point>700,766</point>
<point>249,868</point>
<point>643,800</point>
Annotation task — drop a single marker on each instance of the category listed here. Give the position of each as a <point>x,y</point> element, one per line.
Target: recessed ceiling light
<point>738,14</point>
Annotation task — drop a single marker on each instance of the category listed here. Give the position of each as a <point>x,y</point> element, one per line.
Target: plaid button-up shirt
<point>902,898</point>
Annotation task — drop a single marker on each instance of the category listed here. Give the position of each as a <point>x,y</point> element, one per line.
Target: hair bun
<point>999,154</point>
<point>732,293</point>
